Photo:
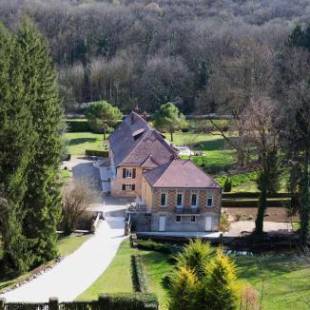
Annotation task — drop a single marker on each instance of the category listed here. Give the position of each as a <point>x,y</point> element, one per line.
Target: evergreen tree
<point>42,200</point>
<point>220,285</point>
<point>102,116</point>
<point>16,140</point>
<point>169,118</point>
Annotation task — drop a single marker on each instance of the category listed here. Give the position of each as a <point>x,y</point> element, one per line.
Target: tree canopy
<point>169,118</point>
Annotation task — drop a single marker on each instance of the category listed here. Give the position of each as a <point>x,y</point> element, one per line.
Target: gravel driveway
<point>76,272</point>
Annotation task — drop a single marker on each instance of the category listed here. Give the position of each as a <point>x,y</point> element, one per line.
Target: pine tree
<point>16,140</point>
<point>183,290</point>
<point>42,200</point>
<point>220,284</point>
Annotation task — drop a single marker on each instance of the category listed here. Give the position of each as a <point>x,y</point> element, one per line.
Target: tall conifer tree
<point>16,141</point>
<point>42,200</point>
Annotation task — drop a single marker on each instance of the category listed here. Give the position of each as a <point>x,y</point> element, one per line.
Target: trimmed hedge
<point>77,125</point>
<point>253,203</point>
<point>125,301</point>
<point>150,245</point>
<point>237,195</point>
<point>97,153</point>
<point>138,277</point>
<point>135,301</point>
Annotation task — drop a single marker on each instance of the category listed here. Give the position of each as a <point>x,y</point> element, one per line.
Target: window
<point>179,200</point>
<point>129,173</point>
<point>163,199</point>
<point>178,218</point>
<point>128,187</point>
<point>193,218</point>
<point>210,201</point>
<point>194,199</point>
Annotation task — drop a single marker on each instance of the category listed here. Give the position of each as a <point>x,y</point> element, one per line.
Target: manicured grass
<point>157,266</point>
<point>116,278</point>
<point>282,281</point>
<point>68,245</point>
<point>77,142</point>
<point>217,155</point>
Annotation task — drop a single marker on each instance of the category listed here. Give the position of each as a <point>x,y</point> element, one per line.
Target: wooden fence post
<point>2,303</point>
<point>53,303</point>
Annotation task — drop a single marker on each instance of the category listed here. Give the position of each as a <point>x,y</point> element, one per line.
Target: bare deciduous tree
<point>76,199</point>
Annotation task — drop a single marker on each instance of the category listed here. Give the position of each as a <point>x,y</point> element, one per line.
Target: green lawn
<point>115,279</point>
<point>282,281</point>
<point>66,246</point>
<point>77,142</point>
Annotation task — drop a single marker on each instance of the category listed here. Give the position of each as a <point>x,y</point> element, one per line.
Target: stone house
<point>171,194</point>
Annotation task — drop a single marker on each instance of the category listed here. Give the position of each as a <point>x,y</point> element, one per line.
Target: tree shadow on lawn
<point>80,141</point>
<point>268,266</point>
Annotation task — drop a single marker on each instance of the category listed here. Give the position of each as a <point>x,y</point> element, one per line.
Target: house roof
<point>179,173</point>
<point>133,142</point>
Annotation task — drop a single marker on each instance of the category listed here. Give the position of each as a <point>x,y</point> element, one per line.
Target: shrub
<point>224,222</point>
<point>203,280</point>
<point>227,185</point>
<point>138,277</point>
<point>151,245</point>
<point>136,301</point>
<point>97,153</point>
<point>77,125</point>
<point>249,299</point>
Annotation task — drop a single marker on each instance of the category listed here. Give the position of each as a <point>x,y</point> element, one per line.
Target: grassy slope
<point>116,278</point>
<point>77,142</point>
<point>284,279</point>
<point>66,246</point>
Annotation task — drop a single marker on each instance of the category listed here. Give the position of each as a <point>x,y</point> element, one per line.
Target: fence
<point>135,301</point>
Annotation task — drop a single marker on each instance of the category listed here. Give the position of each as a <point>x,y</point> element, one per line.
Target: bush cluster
<point>166,248</point>
<point>97,153</point>
<point>138,277</point>
<point>77,125</point>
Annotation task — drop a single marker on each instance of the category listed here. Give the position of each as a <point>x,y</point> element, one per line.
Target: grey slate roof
<point>134,141</point>
<point>180,173</point>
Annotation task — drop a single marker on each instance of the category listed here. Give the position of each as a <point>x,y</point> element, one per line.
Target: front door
<point>162,223</point>
<point>208,223</point>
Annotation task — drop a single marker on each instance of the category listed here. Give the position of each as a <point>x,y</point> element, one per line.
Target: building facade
<point>171,194</point>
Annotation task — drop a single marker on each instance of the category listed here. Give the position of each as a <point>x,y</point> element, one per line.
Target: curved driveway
<point>76,272</point>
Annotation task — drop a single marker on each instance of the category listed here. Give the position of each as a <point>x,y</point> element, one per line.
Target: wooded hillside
<point>144,52</point>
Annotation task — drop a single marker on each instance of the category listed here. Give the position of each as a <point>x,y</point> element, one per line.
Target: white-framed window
<point>209,200</point>
<point>178,219</point>
<point>128,187</point>
<point>163,199</point>
<point>194,199</point>
<point>179,199</point>
<point>193,219</point>
<point>129,173</point>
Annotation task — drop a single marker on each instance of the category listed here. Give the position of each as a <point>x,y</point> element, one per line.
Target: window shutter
<point>133,187</point>
<point>134,173</point>
<point>123,187</point>
<point>124,173</point>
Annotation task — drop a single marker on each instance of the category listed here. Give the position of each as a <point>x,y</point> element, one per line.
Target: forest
<point>194,53</point>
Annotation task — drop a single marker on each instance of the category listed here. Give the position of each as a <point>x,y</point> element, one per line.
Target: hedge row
<point>97,153</point>
<point>138,277</point>
<point>150,245</point>
<point>135,301</point>
<point>253,203</point>
<point>77,125</point>
<point>253,195</point>
<point>125,301</point>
